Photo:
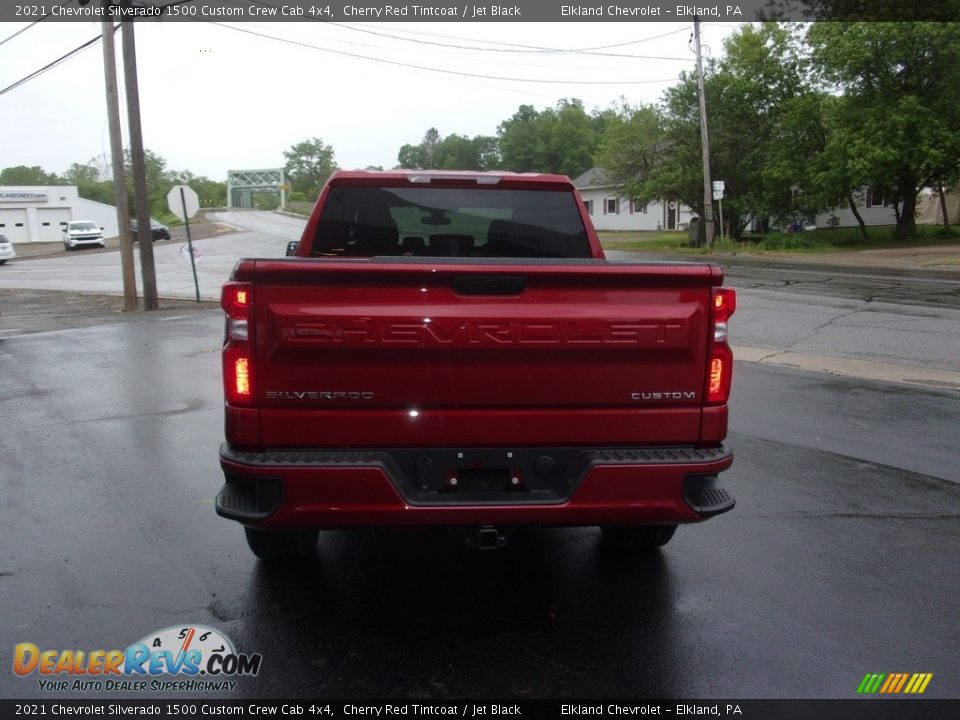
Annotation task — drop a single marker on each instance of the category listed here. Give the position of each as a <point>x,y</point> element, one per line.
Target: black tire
<point>67,247</point>
<point>637,537</point>
<point>3,262</point>
<point>282,545</point>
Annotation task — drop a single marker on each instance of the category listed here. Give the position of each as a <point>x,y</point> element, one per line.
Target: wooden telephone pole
<point>119,173</point>
<point>147,267</point>
<point>704,140</point>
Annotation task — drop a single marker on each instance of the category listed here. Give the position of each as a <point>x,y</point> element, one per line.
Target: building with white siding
<point>874,211</point>
<point>609,210</point>
<point>38,213</point>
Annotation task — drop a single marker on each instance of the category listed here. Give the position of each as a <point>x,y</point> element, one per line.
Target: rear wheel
<point>637,537</point>
<point>279,545</point>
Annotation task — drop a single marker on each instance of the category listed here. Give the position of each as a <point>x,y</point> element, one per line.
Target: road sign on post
<point>184,203</point>
<point>719,187</point>
<point>186,208</point>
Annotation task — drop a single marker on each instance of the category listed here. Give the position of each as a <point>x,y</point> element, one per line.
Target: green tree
<point>158,182</point>
<point>23,175</point>
<point>453,152</point>
<point>308,165</point>
<point>211,193</point>
<point>519,139</point>
<point>631,147</point>
<point>420,156</point>
<point>85,174</point>
<point>91,185</point>
<point>899,112</point>
<point>562,139</point>
<point>458,152</point>
<point>749,93</point>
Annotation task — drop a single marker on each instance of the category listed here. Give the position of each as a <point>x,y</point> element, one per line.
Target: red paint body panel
<point>364,496</point>
<point>512,368</point>
<point>398,354</point>
<point>348,428</point>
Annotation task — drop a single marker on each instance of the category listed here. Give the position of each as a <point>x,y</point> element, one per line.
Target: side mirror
<point>292,247</point>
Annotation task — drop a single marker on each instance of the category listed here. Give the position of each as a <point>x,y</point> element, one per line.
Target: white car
<point>6,250</point>
<point>82,232</point>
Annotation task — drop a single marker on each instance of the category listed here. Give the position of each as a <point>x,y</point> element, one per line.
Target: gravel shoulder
<point>23,312</point>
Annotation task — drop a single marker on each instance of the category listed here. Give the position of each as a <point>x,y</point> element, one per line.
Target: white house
<point>609,210</point>
<point>38,213</point>
<point>874,210</point>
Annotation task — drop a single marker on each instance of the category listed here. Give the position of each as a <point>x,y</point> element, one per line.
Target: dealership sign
<point>22,196</point>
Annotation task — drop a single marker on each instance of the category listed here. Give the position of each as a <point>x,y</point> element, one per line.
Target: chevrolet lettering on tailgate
<point>450,348</point>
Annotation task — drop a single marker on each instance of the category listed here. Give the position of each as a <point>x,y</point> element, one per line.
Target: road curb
<point>851,367</point>
<point>895,267</point>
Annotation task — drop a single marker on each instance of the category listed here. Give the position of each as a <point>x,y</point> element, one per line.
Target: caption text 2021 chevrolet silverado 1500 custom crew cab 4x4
<point>452,349</point>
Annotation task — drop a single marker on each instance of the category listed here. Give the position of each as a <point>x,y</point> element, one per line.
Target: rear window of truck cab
<point>450,222</point>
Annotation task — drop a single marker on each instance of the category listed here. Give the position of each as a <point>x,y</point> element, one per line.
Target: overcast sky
<point>216,97</point>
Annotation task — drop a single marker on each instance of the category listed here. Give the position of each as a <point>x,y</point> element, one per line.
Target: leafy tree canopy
<point>308,165</point>
<point>454,152</point>
<point>23,175</point>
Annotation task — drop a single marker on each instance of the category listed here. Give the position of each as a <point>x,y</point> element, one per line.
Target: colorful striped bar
<point>894,683</point>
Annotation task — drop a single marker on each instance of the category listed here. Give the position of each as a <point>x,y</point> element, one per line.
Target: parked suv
<point>6,250</point>
<point>158,231</point>
<point>82,232</point>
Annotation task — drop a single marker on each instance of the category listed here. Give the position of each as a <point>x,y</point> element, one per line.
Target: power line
<point>21,30</point>
<point>539,60</point>
<point>37,73</point>
<point>526,49</point>
<point>439,70</point>
<point>35,22</point>
<point>533,48</point>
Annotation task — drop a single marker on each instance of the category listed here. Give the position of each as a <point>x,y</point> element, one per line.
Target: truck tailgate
<point>389,353</point>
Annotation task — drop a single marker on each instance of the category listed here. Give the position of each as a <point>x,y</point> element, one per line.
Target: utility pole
<point>704,140</point>
<point>147,268</point>
<point>119,174</point>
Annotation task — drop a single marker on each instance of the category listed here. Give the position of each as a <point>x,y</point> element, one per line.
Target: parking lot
<point>833,564</point>
<point>830,566</point>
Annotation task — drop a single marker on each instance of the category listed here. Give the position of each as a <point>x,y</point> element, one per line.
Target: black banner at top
<point>477,10</point>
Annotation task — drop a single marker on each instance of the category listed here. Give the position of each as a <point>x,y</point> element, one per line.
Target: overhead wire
<point>525,49</point>
<point>440,70</point>
<point>35,22</point>
<point>534,48</point>
<point>521,48</point>
<point>388,46</point>
<point>49,66</point>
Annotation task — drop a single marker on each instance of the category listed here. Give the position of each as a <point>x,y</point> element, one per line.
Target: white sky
<point>214,98</point>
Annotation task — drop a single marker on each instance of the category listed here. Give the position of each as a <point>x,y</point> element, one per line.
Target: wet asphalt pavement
<point>841,557</point>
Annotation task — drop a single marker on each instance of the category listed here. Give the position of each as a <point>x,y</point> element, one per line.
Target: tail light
<point>238,385</point>
<point>723,303</point>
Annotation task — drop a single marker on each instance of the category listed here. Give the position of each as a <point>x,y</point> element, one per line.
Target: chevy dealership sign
<point>22,196</point>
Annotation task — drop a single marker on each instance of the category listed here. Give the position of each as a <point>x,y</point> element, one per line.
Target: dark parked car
<point>157,230</point>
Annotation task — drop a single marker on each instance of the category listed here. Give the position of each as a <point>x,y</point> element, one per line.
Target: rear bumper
<point>582,486</point>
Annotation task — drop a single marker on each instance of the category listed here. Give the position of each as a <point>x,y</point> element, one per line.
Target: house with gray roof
<point>609,210</point>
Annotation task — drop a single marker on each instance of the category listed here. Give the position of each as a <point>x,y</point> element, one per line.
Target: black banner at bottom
<point>853,709</point>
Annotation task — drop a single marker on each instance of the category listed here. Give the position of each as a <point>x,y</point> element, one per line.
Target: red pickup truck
<point>452,349</point>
